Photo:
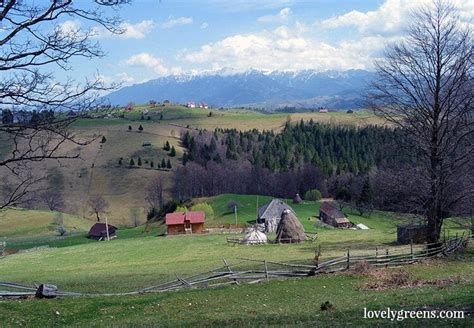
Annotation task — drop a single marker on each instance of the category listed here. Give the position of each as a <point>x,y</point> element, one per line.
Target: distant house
<point>185,222</point>
<point>190,104</point>
<point>330,214</point>
<point>99,231</point>
<point>323,110</point>
<point>270,214</point>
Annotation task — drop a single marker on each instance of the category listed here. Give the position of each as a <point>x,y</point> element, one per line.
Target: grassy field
<point>138,258</point>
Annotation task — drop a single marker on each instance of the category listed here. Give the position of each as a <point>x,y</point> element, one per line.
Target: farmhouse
<point>330,214</point>
<point>270,214</point>
<point>185,222</point>
<point>99,231</point>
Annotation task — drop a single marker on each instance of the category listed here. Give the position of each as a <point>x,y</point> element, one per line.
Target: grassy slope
<point>291,302</point>
<point>24,223</point>
<point>97,170</point>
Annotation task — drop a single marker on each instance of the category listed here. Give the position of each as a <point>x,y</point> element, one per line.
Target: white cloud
<point>204,25</point>
<point>284,48</point>
<point>131,31</point>
<point>391,17</point>
<point>282,16</point>
<point>172,22</point>
<point>147,60</point>
<point>70,26</point>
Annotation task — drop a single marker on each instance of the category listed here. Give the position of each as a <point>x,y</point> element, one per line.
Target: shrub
<point>139,161</point>
<point>181,208</point>
<point>168,164</point>
<point>132,162</point>
<point>103,139</point>
<point>140,128</point>
<point>313,194</point>
<point>206,208</point>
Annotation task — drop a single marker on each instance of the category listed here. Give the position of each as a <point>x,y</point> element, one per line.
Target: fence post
<point>266,270</point>
<point>376,256</point>
<point>411,249</point>
<point>348,258</point>
<point>386,258</point>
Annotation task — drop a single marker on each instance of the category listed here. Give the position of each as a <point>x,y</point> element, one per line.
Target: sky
<point>164,37</point>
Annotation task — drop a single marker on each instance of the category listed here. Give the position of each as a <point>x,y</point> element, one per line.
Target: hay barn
<point>330,214</point>
<point>185,222</point>
<point>270,214</point>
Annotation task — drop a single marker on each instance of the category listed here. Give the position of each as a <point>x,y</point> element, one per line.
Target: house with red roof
<point>185,222</point>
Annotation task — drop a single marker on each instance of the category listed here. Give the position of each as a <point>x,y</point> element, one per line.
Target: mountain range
<point>260,89</point>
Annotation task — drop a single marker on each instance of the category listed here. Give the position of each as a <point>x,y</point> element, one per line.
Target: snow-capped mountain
<point>270,90</point>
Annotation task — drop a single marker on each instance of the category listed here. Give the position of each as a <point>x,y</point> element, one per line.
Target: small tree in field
<point>139,163</point>
<point>168,164</point>
<point>173,152</point>
<point>129,128</point>
<point>98,205</point>
<point>140,128</point>
<point>163,163</point>
<point>166,146</point>
<point>132,162</point>
<point>103,140</point>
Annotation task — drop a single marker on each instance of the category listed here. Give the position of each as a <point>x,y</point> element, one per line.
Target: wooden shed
<point>99,231</point>
<point>185,222</point>
<point>330,214</point>
<point>415,233</point>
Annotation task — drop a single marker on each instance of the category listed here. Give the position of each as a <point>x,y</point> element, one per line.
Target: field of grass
<point>139,258</point>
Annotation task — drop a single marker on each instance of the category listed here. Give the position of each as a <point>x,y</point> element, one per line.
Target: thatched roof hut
<point>255,236</point>
<point>297,199</point>
<point>290,229</point>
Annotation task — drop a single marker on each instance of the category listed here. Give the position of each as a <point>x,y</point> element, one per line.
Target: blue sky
<point>178,36</point>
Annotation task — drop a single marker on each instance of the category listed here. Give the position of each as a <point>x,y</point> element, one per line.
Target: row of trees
<point>332,148</point>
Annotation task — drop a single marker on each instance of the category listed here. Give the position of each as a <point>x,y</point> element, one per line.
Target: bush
<point>181,208</point>
<point>313,194</point>
<point>206,208</point>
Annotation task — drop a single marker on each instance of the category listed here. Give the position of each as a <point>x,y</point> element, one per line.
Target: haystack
<point>297,199</point>
<point>255,236</point>
<point>290,229</point>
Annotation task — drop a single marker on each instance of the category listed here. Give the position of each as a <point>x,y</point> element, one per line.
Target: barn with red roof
<point>185,222</point>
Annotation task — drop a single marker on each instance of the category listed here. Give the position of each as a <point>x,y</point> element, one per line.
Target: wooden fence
<point>252,271</point>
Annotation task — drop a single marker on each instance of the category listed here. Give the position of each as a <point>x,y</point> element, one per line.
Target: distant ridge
<point>269,90</point>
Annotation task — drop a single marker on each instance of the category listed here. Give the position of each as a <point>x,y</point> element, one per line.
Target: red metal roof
<point>181,217</point>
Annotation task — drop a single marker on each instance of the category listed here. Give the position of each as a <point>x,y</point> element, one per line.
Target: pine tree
<point>152,164</point>
<point>132,162</point>
<point>173,152</point>
<point>140,128</point>
<point>120,161</point>
<point>129,128</point>
<point>163,163</point>
<point>139,163</point>
<point>103,139</point>
<point>166,146</point>
<point>168,164</point>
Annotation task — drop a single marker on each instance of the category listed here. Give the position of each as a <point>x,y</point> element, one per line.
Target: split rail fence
<point>251,271</point>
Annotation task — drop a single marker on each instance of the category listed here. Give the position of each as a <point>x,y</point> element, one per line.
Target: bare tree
<point>52,199</point>
<point>154,193</point>
<point>98,205</point>
<point>425,87</point>
<point>34,43</point>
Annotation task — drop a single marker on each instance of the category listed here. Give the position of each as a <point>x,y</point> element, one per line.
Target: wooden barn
<point>415,233</point>
<point>269,214</point>
<point>99,231</point>
<point>330,214</point>
<point>185,222</point>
